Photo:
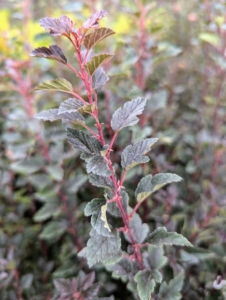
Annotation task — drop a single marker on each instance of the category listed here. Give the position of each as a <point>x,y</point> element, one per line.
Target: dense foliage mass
<point>153,110</point>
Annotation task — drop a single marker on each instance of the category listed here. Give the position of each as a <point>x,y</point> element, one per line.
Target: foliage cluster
<point>172,61</point>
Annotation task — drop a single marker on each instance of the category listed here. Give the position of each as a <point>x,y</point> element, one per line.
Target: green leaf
<point>140,230</point>
<point>56,172</point>
<point>84,142</point>
<point>148,184</point>
<point>47,211</point>
<point>161,237</point>
<point>28,166</point>
<point>94,208</point>
<point>53,231</point>
<point>101,181</point>
<point>171,291</point>
<point>133,155</point>
<point>105,249</point>
<point>123,269</point>
<point>112,206</point>
<point>210,38</point>
<point>88,108</point>
<point>98,165</point>
<point>96,62</point>
<point>59,84</point>
<point>145,284</point>
<point>26,280</point>
<point>154,258</point>
<point>96,36</point>
<point>126,116</point>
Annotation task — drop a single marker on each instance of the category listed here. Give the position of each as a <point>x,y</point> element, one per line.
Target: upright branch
<point>104,244</point>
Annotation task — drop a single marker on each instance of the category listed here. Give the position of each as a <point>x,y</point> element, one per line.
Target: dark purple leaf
<point>61,26</point>
<point>94,18</point>
<point>53,52</point>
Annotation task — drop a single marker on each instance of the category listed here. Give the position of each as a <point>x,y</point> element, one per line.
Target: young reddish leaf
<point>96,62</point>
<point>126,115</point>
<point>59,84</point>
<point>96,36</point>
<point>61,26</point>
<point>93,19</point>
<point>53,52</point>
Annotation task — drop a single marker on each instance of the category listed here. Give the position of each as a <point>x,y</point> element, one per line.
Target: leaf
<point>96,36</point>
<point>133,155</point>
<point>98,165</point>
<point>28,166</point>
<point>61,26</point>
<point>53,115</point>
<point>145,284</point>
<point>99,79</point>
<point>161,237</point>
<point>171,291</point>
<point>210,38</point>
<point>95,62</point>
<point>94,208</point>
<point>154,258</point>
<point>62,285</point>
<point>59,84</point>
<point>53,231</point>
<point>123,269</point>
<point>82,141</point>
<point>139,230</point>
<point>112,206</point>
<point>100,181</point>
<point>53,52</point>
<point>148,184</point>
<point>88,108</point>
<point>47,211</point>
<point>126,115</point>
<point>70,105</point>
<point>56,172</point>
<point>94,18</point>
<point>104,217</point>
<point>26,280</point>
<point>102,248</point>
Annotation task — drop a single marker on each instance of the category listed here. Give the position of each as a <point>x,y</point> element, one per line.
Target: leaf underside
<point>53,52</point>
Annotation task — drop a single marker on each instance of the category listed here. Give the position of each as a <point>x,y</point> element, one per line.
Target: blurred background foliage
<point>173,53</point>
